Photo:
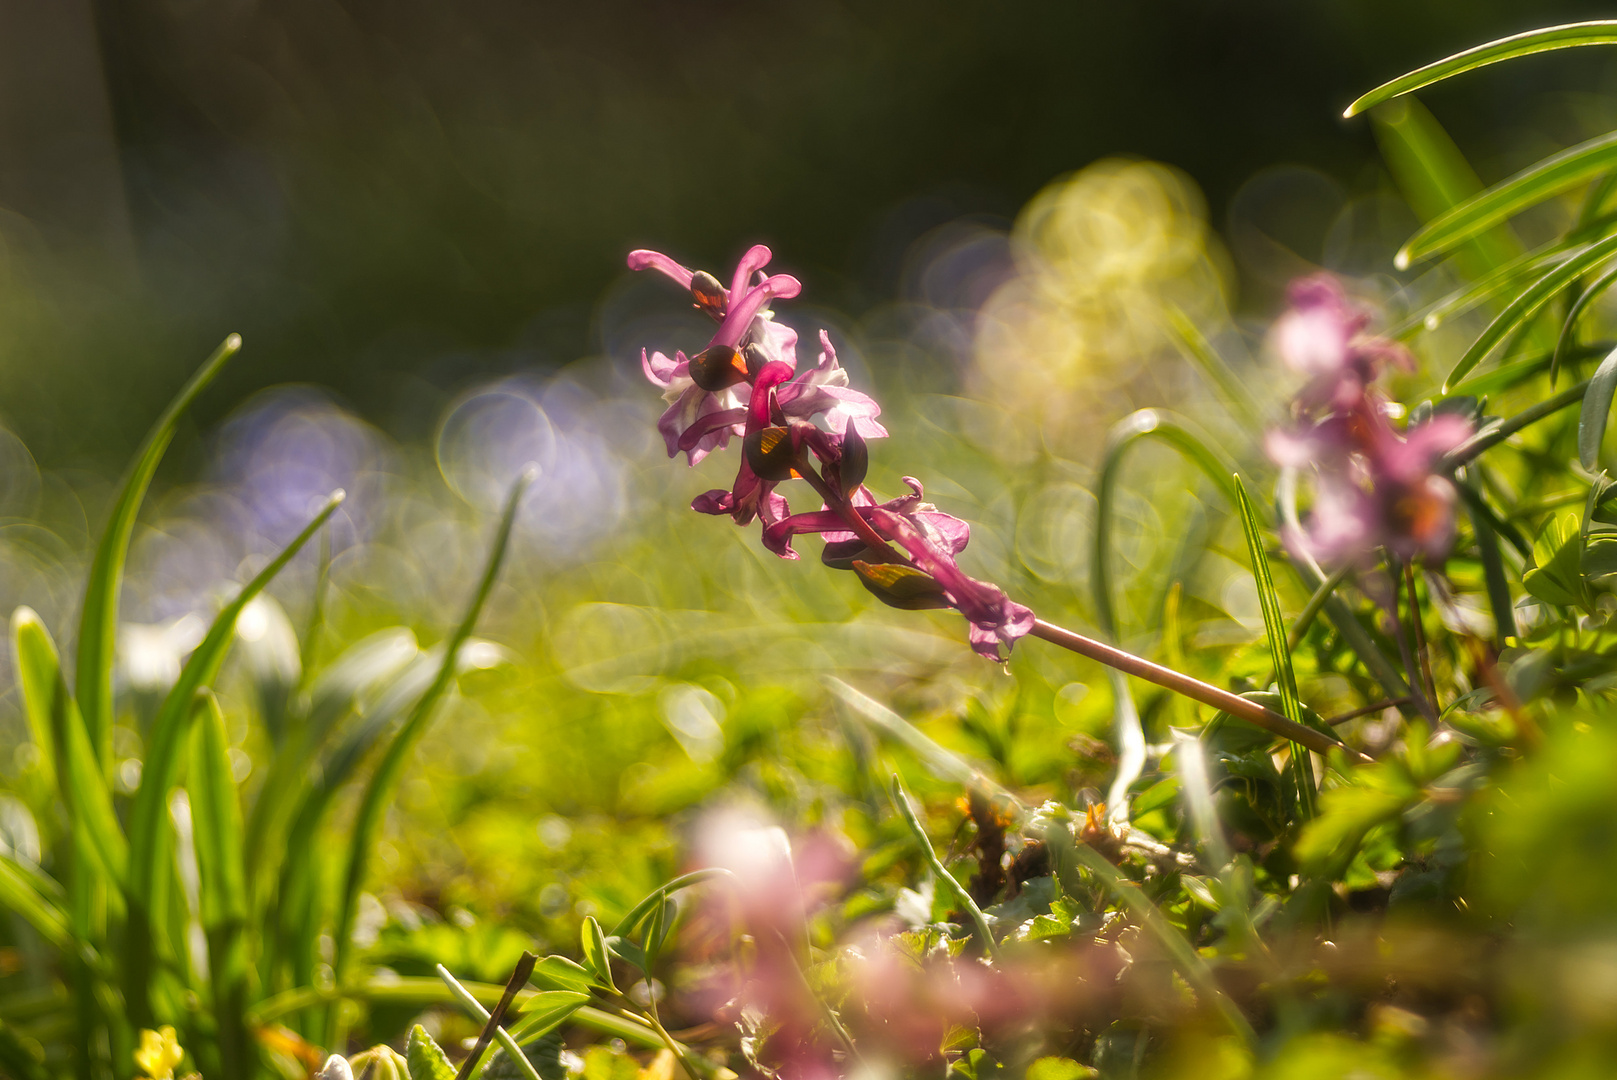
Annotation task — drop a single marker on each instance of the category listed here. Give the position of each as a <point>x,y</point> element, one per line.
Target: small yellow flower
<point>159,1052</point>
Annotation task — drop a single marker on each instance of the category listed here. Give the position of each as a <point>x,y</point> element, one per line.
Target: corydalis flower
<point>708,393</point>
<point>746,384</point>
<point>1374,488</point>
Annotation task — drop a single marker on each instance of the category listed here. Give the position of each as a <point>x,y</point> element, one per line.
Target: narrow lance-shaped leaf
<point>149,839</point>
<point>98,623</point>
<point>1595,411</point>
<point>1531,186</point>
<point>385,780</point>
<point>1526,305</point>
<point>596,956</point>
<point>80,778</point>
<point>1567,341</point>
<point>1274,627</point>
<point>24,891</point>
<point>1569,36</point>
<point>217,834</point>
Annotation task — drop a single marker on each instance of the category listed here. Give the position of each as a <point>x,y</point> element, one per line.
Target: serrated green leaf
<point>424,1057</point>
<point>1569,36</point>
<point>1596,410</point>
<point>98,621</point>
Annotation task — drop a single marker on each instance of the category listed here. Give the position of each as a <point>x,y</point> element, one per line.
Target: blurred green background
<point>393,199</point>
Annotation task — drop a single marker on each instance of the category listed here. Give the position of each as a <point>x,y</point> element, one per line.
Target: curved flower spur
<point>746,383</point>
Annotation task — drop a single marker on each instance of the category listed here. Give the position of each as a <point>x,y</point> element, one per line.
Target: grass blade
<point>1196,346</point>
<point>475,1008</point>
<point>654,899</point>
<point>98,620</point>
<point>1526,305</point>
<point>1434,177</point>
<point>1274,627</point>
<point>946,880</point>
<point>1570,36</point>
<point>1566,343</point>
<point>1176,432</point>
<point>24,891</point>
<point>216,821</point>
<point>379,791</point>
<point>1532,185</point>
<point>149,839</point>
<point>80,777</point>
<point>1596,408</point>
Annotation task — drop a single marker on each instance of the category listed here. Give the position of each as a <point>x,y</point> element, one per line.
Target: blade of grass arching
<point>1510,278</point>
<point>1434,177</point>
<point>945,880</point>
<point>1143,424</point>
<point>216,821</point>
<point>25,892</point>
<point>1545,180</point>
<point>1528,303</point>
<point>1196,346</point>
<point>1569,36</point>
<point>379,792</point>
<point>655,898</point>
<point>150,843</point>
<point>98,619</point>
<point>80,777</point>
<point>1595,411</point>
<point>1567,340</point>
<point>309,648</point>
<point>1274,627</point>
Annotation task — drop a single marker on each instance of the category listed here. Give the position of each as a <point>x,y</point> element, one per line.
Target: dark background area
<point>394,197</point>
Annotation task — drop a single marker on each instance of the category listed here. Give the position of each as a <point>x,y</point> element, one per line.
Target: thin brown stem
<point>1389,703</point>
<point>1193,688</point>
<point>881,551</point>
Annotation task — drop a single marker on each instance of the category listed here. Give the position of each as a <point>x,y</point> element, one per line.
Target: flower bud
<point>854,463</point>
<point>707,293</point>
<point>900,586</point>
<point>718,368</point>
<point>770,453</point>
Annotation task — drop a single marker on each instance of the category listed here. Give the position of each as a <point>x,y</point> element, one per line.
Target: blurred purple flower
<point>1374,488</point>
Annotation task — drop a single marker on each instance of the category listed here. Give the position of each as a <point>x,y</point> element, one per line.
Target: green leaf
<point>545,1011</point>
<point>1346,814</point>
<point>1528,303</point>
<point>596,956</point>
<point>1434,177</point>
<point>1529,187</point>
<point>1556,577</point>
<point>217,834</point>
<point>149,840</point>
<point>426,1060</point>
<point>653,899</point>
<point>379,792</point>
<point>1571,35</point>
<point>98,623</point>
<point>477,1012</point>
<point>1567,340</point>
<point>560,973</point>
<point>27,892</point>
<point>1595,411</point>
<point>80,777</point>
<point>1060,1068</point>
<point>1274,627</point>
